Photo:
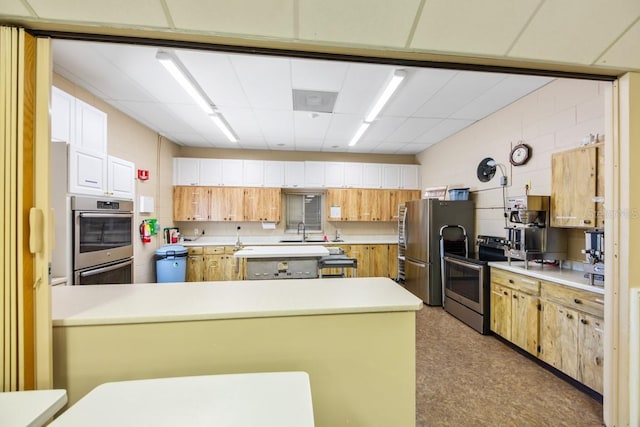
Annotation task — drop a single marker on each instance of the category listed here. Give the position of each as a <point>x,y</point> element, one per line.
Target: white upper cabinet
<point>120,178</point>
<point>353,175</point>
<point>390,176</point>
<point>77,122</point>
<point>314,174</point>
<point>232,172</point>
<point>209,171</point>
<point>97,174</point>
<point>333,174</point>
<point>294,174</point>
<point>372,175</point>
<point>91,127</point>
<point>410,177</point>
<point>186,171</point>
<point>87,171</point>
<point>274,172</point>
<point>63,117</point>
<point>253,173</point>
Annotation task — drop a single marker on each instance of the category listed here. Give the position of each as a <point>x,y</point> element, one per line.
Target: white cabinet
<point>333,175</point>
<point>120,178</point>
<point>63,117</point>
<point>94,173</point>
<point>390,176</point>
<point>314,174</point>
<point>186,171</point>
<point>410,177</point>
<point>353,175</point>
<point>87,171</point>
<point>77,122</point>
<point>91,127</point>
<point>294,174</point>
<point>253,173</point>
<point>372,175</point>
<point>232,173</point>
<point>274,172</point>
<point>209,171</point>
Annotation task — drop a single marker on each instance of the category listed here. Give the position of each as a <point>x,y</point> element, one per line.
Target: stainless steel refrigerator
<point>424,220</point>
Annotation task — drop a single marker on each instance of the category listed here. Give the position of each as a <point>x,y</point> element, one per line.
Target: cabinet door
<point>87,171</point>
<point>209,172</point>
<point>62,116</point>
<point>294,174</point>
<point>354,175</point>
<point>348,202</point>
<point>501,311</point>
<point>558,337</point>
<point>399,197</point>
<point>573,188</point>
<point>361,254</point>
<point>390,176</point>
<point>273,174</point>
<point>378,260</point>
<point>232,172</point>
<point>410,177</point>
<point>334,175</point>
<point>185,171</point>
<point>392,261</point>
<point>262,204</point>
<point>195,267</point>
<point>524,321</point>
<point>591,351</point>
<point>121,178</point>
<point>253,173</point>
<point>227,204</point>
<point>314,174</point>
<point>374,205</point>
<point>91,127</point>
<point>213,268</point>
<point>190,203</point>
<point>372,175</point>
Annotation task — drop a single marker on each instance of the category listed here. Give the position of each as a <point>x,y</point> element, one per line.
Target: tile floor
<point>468,379</point>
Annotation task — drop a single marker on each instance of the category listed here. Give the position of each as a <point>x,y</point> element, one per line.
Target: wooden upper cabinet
<point>190,203</point>
<point>345,203</point>
<point>262,204</point>
<point>227,204</point>
<point>576,183</point>
<point>374,205</point>
<point>399,197</point>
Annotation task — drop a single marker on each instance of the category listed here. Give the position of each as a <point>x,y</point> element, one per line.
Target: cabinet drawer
<point>195,250</point>
<point>212,250</point>
<point>577,299</point>
<point>519,282</point>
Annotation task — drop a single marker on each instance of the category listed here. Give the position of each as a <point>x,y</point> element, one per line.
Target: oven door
<point>101,237</point>
<point>465,283</point>
<point>116,273</point>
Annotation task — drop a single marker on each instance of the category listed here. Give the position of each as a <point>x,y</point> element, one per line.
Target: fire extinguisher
<point>145,232</point>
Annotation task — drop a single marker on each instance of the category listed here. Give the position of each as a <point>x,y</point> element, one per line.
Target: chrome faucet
<point>304,230</point>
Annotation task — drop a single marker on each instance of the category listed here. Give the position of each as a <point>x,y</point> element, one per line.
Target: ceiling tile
<point>618,54</point>
<point>575,31</point>
<point>412,128</point>
<point>243,123</point>
<point>357,21</point>
<point>265,18</point>
<point>485,27</point>
<point>443,130</point>
<point>418,87</point>
<point>266,81</point>
<point>306,127</point>
<point>342,127</point>
<point>318,75</point>
<point>361,86</point>
<point>382,127</point>
<point>277,126</point>
<point>146,13</point>
<point>459,91</point>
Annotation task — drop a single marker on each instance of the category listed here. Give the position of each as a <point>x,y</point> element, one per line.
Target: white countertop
<point>169,302</point>
<point>30,408</point>
<point>298,251</point>
<point>270,399</point>
<point>275,240</point>
<point>550,273</point>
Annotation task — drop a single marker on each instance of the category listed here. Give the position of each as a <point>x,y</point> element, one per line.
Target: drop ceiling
<point>255,94</point>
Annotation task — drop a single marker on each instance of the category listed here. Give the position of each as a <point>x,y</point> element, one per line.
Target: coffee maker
<point>594,255</point>
<point>529,235</point>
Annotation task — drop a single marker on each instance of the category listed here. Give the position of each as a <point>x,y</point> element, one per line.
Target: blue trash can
<point>171,263</point>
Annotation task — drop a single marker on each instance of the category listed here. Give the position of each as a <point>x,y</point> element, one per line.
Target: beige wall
<point>554,118</point>
<point>130,140</point>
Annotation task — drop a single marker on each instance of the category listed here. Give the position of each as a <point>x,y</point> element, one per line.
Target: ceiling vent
<point>313,100</point>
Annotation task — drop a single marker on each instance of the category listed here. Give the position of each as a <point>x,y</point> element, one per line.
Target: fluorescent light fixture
<point>222,124</point>
<point>363,127</point>
<point>390,88</point>
<point>182,76</point>
<point>392,85</point>
<point>188,83</point>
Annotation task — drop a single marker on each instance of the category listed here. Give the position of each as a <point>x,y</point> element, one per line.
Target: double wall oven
<point>102,241</point>
<point>467,282</point>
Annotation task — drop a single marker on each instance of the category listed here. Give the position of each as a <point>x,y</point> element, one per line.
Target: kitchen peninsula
<point>355,338</point>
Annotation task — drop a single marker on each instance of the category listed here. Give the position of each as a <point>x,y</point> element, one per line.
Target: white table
<point>30,408</point>
<point>272,399</point>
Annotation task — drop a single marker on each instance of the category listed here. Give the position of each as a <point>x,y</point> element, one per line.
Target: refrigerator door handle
<point>418,263</point>
<point>404,227</point>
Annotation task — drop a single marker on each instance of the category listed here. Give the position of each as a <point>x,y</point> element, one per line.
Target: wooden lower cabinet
<point>213,263</point>
<point>514,309</point>
<point>572,333</point>
<point>373,260</point>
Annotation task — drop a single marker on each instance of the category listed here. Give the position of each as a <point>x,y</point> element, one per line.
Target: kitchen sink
<point>291,241</point>
<point>302,241</point>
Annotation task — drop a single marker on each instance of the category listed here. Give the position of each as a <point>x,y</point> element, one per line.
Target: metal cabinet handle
<point>584,321</point>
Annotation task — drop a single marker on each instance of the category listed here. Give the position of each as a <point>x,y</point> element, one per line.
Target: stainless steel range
<point>467,282</point>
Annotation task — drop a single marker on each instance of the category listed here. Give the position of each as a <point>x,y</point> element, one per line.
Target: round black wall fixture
<point>486,169</point>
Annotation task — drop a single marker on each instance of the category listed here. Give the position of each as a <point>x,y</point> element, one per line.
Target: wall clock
<point>520,154</point>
